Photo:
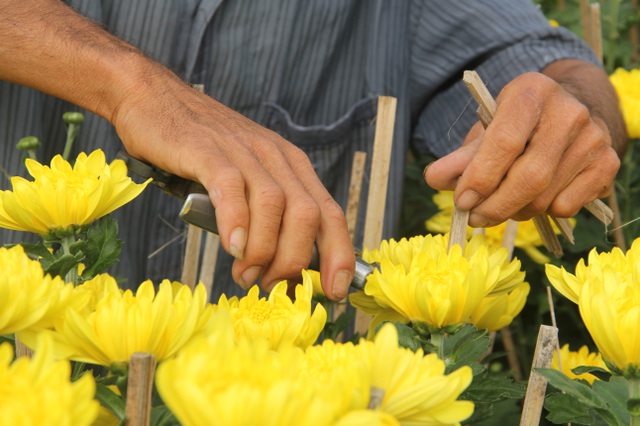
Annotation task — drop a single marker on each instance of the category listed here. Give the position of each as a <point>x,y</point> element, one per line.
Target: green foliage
<point>98,247</point>
<point>602,403</point>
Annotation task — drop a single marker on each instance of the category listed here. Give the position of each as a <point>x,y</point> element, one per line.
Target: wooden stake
<point>512,353</point>
<point>617,222</point>
<point>353,207</point>
<point>139,385</point>
<point>209,261</point>
<point>458,231</point>
<point>565,228</point>
<point>509,237</point>
<point>22,349</point>
<point>380,163</point>
<point>585,13</point>
<point>191,256</point>
<point>355,190</point>
<point>191,260</point>
<point>537,386</point>
<point>543,225</point>
<point>596,29</point>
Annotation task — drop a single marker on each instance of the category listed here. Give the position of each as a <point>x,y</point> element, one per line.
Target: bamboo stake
<point>537,386</point>
<point>458,232</point>
<point>508,242</point>
<point>585,12</point>
<point>355,190</point>
<point>380,163</point>
<point>353,206</point>
<point>139,385</point>
<point>193,246</point>
<point>209,261</point>
<point>596,30</point>
<point>191,256</point>
<point>22,349</point>
<point>509,237</point>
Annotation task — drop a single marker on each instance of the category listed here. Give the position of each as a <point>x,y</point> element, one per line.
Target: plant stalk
<point>634,395</point>
<point>72,275</point>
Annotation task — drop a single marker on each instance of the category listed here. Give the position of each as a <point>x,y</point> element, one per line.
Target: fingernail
<point>237,242</point>
<point>478,221</point>
<point>250,276</point>
<point>467,200</point>
<point>341,283</point>
<point>424,172</point>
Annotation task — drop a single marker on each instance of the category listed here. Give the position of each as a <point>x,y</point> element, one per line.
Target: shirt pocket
<point>331,147</point>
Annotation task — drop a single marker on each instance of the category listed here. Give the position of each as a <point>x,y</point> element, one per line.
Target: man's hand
<point>544,151</point>
<point>270,204</point>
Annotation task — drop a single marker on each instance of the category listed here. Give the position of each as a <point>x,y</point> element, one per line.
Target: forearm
<point>590,84</point>
<point>46,45</point>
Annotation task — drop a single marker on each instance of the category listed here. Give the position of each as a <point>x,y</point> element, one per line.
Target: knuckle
<point>535,177</point>
<point>505,139</point>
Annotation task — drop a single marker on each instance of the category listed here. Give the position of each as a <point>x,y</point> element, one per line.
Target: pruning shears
<point>197,209</point>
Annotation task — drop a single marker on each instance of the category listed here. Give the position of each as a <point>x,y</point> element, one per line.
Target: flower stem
<point>437,340</point>
<point>72,275</point>
<point>634,396</point>
<point>72,131</point>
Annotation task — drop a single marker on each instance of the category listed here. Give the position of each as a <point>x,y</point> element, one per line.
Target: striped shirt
<point>309,70</point>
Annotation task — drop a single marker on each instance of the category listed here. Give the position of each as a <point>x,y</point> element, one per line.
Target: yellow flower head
<point>607,291</point>
<point>38,390</point>
<point>527,237</point>
<point>627,85</point>
<point>221,380</point>
<point>277,318</point>
<point>61,197</point>
<point>414,387</point>
<point>420,280</point>
<point>496,312</point>
<point>123,323</point>
<point>29,300</point>
<point>571,359</point>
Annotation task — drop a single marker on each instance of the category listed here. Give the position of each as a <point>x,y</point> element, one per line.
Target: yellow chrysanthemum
<point>571,359</point>
<point>215,378</point>
<point>420,280</point>
<point>496,312</point>
<point>607,291</point>
<point>414,386</point>
<point>218,380</point>
<point>123,323</point>
<point>627,85</point>
<point>277,318</point>
<point>61,197</point>
<point>29,300</point>
<point>38,390</point>
<point>527,237</point>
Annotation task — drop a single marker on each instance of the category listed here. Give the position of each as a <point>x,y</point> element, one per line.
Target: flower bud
<point>72,117</point>
<point>27,143</point>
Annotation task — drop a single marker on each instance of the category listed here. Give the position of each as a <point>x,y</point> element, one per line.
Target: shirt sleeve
<point>499,39</point>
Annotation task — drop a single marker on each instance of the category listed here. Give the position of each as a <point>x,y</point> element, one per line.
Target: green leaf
<point>602,403</point>
<point>37,251</point>
<point>565,408</point>
<point>407,336</point>
<point>111,400</point>
<point>465,347</point>
<point>101,248</point>
<point>578,389</point>
<point>491,388</point>
<point>162,416</point>
<point>599,372</point>
<point>62,264</point>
